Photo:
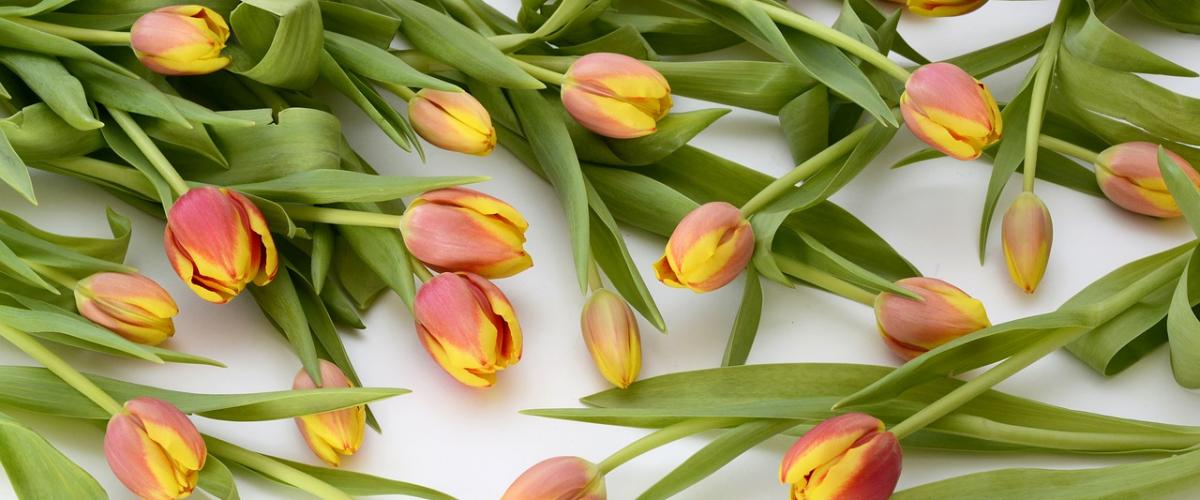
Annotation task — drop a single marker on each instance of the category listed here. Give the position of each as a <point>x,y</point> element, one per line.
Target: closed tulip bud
<point>460,229</point>
<point>130,305</point>
<point>1129,176</point>
<point>558,478</point>
<point>616,95</point>
<point>453,121</point>
<point>708,249</point>
<point>218,242</point>
<point>912,327</point>
<point>468,326</point>
<point>154,449</point>
<point>1027,234</point>
<point>951,111</point>
<point>332,434</point>
<point>180,40</point>
<point>610,331</point>
<point>941,8</point>
<point>846,457</point>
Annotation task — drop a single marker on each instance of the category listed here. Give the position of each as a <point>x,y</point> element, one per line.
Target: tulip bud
<point>154,449</point>
<point>911,327</point>
<point>468,326</point>
<point>130,305</point>
<point>1027,234</point>
<point>615,95</point>
<point>453,121</point>
<point>1129,176</point>
<point>951,111</point>
<point>180,40</point>
<point>708,249</point>
<point>941,8</point>
<point>332,434</point>
<point>460,229</point>
<point>611,333</point>
<point>218,242</point>
<point>849,456</point>
<point>558,478</point>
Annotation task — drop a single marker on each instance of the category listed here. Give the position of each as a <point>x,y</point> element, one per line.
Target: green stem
<point>824,280</point>
<point>543,74</point>
<point>150,150</point>
<point>84,35</point>
<point>594,280</point>
<point>55,275</point>
<point>786,182</point>
<point>273,468</point>
<point>661,437</point>
<point>1041,84</point>
<point>419,268</point>
<point>401,91</point>
<point>57,366</point>
<point>343,217</point>
<point>1070,149</point>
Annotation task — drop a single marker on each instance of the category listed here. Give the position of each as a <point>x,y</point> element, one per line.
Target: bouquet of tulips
<point>211,117</point>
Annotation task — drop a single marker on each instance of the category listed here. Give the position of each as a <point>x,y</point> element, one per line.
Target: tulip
<point>950,111</point>
<point>154,449</point>
<point>558,478</point>
<point>468,326</point>
<point>707,250</point>
<point>1129,176</point>
<point>611,333</point>
<point>615,95</point>
<point>846,457</point>
<point>218,242</point>
<point>941,8</point>
<point>130,305</point>
<point>453,121</point>
<point>180,40</point>
<point>332,434</point>
<point>911,327</point>
<point>460,229</point>
<point>1027,234</point>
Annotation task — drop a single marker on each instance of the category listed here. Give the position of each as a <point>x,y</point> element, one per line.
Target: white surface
<point>472,443</point>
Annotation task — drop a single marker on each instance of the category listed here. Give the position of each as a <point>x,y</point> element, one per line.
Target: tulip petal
<point>265,245</point>
<point>824,443</point>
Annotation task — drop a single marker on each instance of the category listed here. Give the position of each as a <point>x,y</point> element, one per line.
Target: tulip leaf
<point>54,84</point>
<point>715,455</point>
<point>14,172</point>
<point>185,144</point>
<point>337,186</point>
<point>36,469</point>
<point>1089,39</point>
<point>1181,188</point>
<point>121,144</point>
<point>359,484</point>
<point>608,248</point>
<point>1010,155</point>
<point>125,93</point>
<point>997,57</point>
<point>21,37</point>
<point>673,35</point>
<point>281,52</point>
<point>12,266</point>
<point>36,133</point>
<point>112,250</point>
<point>1176,15</point>
<point>34,9</point>
<point>745,325</point>
<point>280,301</point>
<point>217,480</point>
<point>363,24</point>
<point>295,140</point>
<point>39,251</point>
<point>383,251</point>
<point>623,40</point>
<point>374,63</point>
<point>674,130</point>
<point>1183,330</point>
<point>805,123</point>
<point>322,255</point>
<point>391,123</point>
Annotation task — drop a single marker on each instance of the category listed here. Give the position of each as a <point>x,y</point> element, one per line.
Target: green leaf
<point>391,123</point>
<point>994,58</point>
<point>673,35</point>
<point>336,186</point>
<point>36,469</point>
<point>111,250</point>
<point>383,251</point>
<point>608,248</point>
<point>71,330</point>
<point>126,93</point>
<point>1181,189</point>
<point>623,40</point>
<point>121,144</point>
<point>12,266</point>
<point>36,133</point>
<point>322,255</point>
<point>745,324</point>
<point>50,80</point>
<point>1183,330</point>
<point>715,455</point>
<point>39,251</point>
<point>21,37</point>
<point>298,139</point>
<point>14,172</point>
<point>217,480</point>
<point>371,27</point>
<point>1089,39</point>
<point>805,123</point>
<point>374,63</point>
<point>281,303</point>
<point>281,52</point>
<point>674,130</point>
<point>1010,156</point>
<point>359,484</point>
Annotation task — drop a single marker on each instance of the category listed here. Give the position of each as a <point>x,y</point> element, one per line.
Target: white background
<point>471,443</point>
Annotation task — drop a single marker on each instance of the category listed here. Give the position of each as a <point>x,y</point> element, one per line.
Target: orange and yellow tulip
<point>951,111</point>
<point>130,305</point>
<point>180,40</point>
<point>1027,234</point>
<point>333,434</point>
<point>941,8</point>
<point>610,331</point>
<point>912,327</point>
<point>468,326</point>
<point>615,95</point>
<point>849,456</point>
<point>707,250</point>
<point>558,478</point>
<point>154,449</point>
<point>460,229</point>
<point>454,121</point>
<point>1129,176</point>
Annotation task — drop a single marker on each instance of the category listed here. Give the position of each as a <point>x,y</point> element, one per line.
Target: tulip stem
<point>342,216</point>
<point>1070,149</point>
<point>661,437</point>
<point>274,469</point>
<point>401,91</point>
<point>420,270</point>
<point>824,280</point>
<point>95,37</point>
<point>1041,85</point>
<point>149,149</point>
<point>59,367</point>
<point>543,74</point>
<point>595,282</point>
<point>804,170</point>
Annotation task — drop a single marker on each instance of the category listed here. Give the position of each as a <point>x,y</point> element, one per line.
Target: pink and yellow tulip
<point>1027,234</point>
<point>334,434</point>
<point>615,95</point>
<point>154,449</point>
<point>180,40</point>
<point>468,326</point>
<point>951,111</point>
<point>849,456</point>
<point>218,242</point>
<point>941,8</point>
<point>130,305</point>
<point>454,121</point>
<point>558,478</point>
<point>707,250</point>
<point>1129,176</point>
<point>610,331</point>
<point>912,327</point>
<point>460,229</point>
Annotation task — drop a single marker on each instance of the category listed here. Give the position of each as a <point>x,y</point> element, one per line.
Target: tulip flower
<point>1129,176</point>
<point>846,457</point>
<point>615,95</point>
<point>154,449</point>
<point>610,331</point>
<point>911,327</point>
<point>558,478</point>
<point>332,434</point>
<point>1027,234</point>
<point>950,110</point>
<point>130,305</point>
<point>460,229</point>
<point>218,242</point>
<point>468,326</point>
<point>180,40</point>
<point>941,8</point>
<point>707,250</point>
<point>453,121</point>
